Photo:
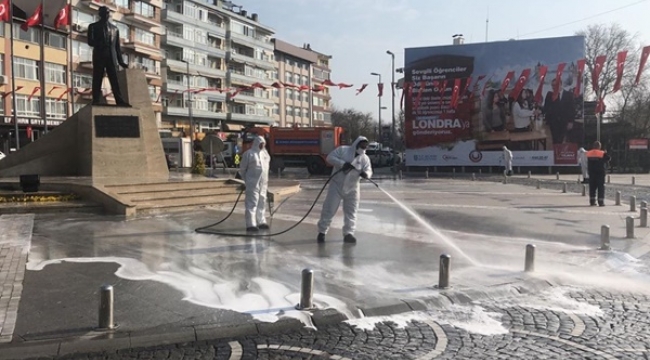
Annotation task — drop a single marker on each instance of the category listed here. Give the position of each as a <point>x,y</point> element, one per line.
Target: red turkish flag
<point>344,85</point>
<point>419,97</point>
<point>70,89</point>
<point>581,72</point>
<point>11,92</point>
<point>329,82</point>
<point>620,66</point>
<point>318,88</point>
<point>34,20</point>
<point>258,86</point>
<point>63,17</point>
<point>289,85</point>
<point>506,81</point>
<point>303,88</point>
<point>360,90</point>
<point>53,88</point>
<point>5,10</point>
<point>380,88</point>
<point>558,80</point>
<point>29,132</point>
<point>277,85</point>
<point>406,90</point>
<point>443,88</point>
<point>598,68</point>
<point>644,57</point>
<point>36,89</point>
<point>600,106</point>
<point>542,76</point>
<point>455,92</point>
<point>519,86</point>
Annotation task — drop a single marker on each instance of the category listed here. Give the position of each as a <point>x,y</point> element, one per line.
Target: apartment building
<point>220,47</point>
<point>301,66</point>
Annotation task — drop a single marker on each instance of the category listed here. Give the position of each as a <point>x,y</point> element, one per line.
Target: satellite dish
<point>212,145</point>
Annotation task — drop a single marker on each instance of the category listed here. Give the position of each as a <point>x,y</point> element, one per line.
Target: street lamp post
<point>189,109</point>
<point>379,114</point>
<point>392,89</point>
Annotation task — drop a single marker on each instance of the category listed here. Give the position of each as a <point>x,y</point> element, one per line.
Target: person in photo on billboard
<point>494,118</point>
<point>597,160</point>
<point>559,113</point>
<point>507,159</point>
<point>522,115</point>
<point>584,166</point>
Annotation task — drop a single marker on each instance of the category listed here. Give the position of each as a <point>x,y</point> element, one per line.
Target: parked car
<point>2,155</point>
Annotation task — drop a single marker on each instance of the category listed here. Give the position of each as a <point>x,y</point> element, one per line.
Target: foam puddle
<point>265,300</point>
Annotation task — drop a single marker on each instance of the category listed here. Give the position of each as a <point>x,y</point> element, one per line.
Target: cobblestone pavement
<point>15,239</point>
<point>562,323</point>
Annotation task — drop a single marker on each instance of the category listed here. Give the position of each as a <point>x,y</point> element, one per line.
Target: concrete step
<point>185,203</point>
<point>147,196</point>
<point>167,186</point>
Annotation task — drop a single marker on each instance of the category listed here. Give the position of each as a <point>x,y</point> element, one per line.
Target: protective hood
<point>256,143</point>
<point>582,150</point>
<point>357,141</point>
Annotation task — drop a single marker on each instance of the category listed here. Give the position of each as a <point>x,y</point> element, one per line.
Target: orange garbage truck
<point>297,146</point>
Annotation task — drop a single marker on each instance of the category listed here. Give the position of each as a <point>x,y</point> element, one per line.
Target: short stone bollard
<point>453,173</point>
<point>400,175</point>
<point>539,184</point>
<point>445,268</point>
<point>529,174</point>
<point>604,237</point>
<point>644,217</point>
<point>644,204</point>
<point>557,176</point>
<point>106,308</point>
<point>480,171</point>
<point>426,173</point>
<point>584,190</point>
<point>529,265</point>
<point>564,188</point>
<point>473,176</point>
<point>618,198</point>
<point>633,180</point>
<point>306,290</point>
<point>633,203</point>
<point>629,227</point>
<point>609,179</point>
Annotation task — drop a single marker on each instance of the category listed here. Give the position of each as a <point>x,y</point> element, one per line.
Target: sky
<point>357,33</point>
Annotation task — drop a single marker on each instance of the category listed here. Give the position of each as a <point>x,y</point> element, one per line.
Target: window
<point>320,74</point>
<point>201,37</point>
<point>78,106</point>
<point>146,64</point>
<point>55,109</point>
<point>55,73</point>
<point>55,40</point>
<point>289,111</point>
<point>143,9</point>
<point>81,51</point>
<point>276,93</point>
<point>83,18</point>
<point>305,112</point>
<point>153,93</point>
<point>123,29</point>
<point>2,64</point>
<point>145,37</point>
<point>122,3</point>
<point>305,97</point>
<point>288,94</point>
<point>82,81</point>
<point>276,110</point>
<point>297,111</point>
<point>288,77</point>
<point>30,35</point>
<point>26,68</point>
<point>2,33</point>
<point>305,80</point>
<point>28,108</point>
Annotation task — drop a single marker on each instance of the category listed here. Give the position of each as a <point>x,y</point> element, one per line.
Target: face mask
<point>361,151</point>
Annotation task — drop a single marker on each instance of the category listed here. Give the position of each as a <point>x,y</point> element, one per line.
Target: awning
<point>234,127</point>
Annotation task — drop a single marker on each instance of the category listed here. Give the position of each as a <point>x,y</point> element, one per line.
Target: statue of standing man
<point>104,38</point>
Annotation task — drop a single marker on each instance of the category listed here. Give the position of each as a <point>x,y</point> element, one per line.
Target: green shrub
<point>199,164</point>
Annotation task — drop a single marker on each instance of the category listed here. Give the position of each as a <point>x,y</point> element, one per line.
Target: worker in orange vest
<point>597,160</point>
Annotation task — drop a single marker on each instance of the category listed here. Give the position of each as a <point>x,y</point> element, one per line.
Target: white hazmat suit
<point>507,158</point>
<point>583,161</point>
<point>344,186</point>
<point>254,170</point>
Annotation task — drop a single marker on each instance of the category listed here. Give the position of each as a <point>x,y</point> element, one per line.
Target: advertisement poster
<point>464,103</point>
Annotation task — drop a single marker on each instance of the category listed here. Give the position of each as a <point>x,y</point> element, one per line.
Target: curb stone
<point>321,318</point>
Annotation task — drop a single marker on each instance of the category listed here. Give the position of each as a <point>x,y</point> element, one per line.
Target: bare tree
<point>355,123</point>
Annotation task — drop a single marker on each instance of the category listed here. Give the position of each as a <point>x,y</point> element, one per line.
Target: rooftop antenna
<point>487,23</point>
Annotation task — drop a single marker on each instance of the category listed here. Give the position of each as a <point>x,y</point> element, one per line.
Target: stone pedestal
<point>99,141</point>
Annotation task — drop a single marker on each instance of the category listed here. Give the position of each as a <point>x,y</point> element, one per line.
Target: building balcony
<point>140,20</point>
<point>149,50</point>
<point>174,38</point>
<point>96,4</point>
<point>245,118</point>
<point>243,59</point>
<point>249,99</point>
<point>240,79</point>
<point>203,114</point>
<point>249,41</point>
<point>173,16</point>
<point>181,67</point>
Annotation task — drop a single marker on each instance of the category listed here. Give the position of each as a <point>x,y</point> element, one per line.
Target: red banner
<point>598,68</point>
<point>506,81</point>
<point>620,66</point>
<point>581,73</point>
<point>565,154</point>
<point>542,76</point>
<point>519,86</point>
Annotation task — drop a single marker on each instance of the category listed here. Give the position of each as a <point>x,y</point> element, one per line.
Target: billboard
<point>464,103</point>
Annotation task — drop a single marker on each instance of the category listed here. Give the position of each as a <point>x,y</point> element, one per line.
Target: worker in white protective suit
<point>350,164</point>
<point>583,161</point>
<point>507,158</point>
<point>254,170</point>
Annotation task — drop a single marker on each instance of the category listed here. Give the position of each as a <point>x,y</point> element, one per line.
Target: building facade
<point>296,67</point>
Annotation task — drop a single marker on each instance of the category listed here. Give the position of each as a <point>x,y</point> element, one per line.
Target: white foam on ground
<point>554,299</point>
<point>262,298</point>
<point>401,320</point>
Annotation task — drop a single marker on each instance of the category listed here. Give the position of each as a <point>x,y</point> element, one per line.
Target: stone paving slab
<point>15,240</point>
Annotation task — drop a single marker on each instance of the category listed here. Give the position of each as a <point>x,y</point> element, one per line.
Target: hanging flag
<point>542,76</point>
<point>5,10</point>
<point>260,86</point>
<point>467,84</point>
<point>416,105</point>
<point>70,89</point>
<point>620,66</point>
<point>581,73</point>
<point>303,88</point>
<point>506,81</point>
<point>62,18</point>
<point>644,57</point>
<point>329,82</point>
<point>34,20</point>
<point>558,81</point>
<point>318,88</point>
<point>598,68</point>
<point>289,85</point>
<point>277,85</point>
<point>380,88</point>
<point>54,88</point>
<point>455,93</point>
<point>360,90</point>
<point>344,85</point>
<point>405,91</point>
<point>443,88</point>
<point>519,86</point>
<point>9,93</point>
<point>34,91</point>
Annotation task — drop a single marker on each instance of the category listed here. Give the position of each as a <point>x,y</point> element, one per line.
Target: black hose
<point>204,229</point>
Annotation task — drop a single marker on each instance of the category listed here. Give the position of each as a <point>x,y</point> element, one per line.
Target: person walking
<point>507,158</point>
<point>254,170</point>
<point>584,166</point>
<point>597,160</point>
<point>350,165</point>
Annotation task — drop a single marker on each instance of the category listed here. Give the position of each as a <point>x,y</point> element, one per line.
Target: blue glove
<point>364,175</point>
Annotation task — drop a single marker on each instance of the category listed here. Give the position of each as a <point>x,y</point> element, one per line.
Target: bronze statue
<point>104,37</point>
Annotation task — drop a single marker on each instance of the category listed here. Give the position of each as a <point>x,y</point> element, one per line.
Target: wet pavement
<point>166,276</point>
